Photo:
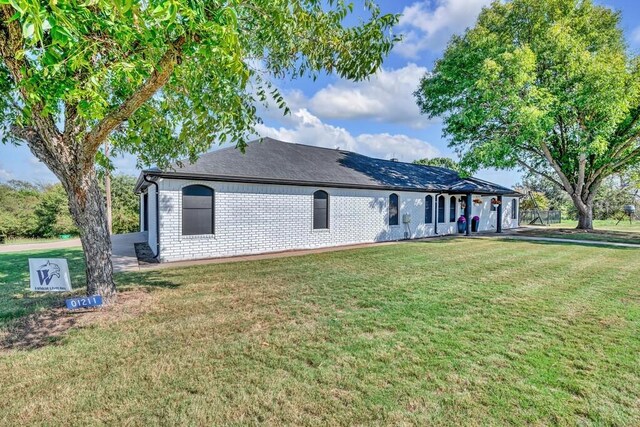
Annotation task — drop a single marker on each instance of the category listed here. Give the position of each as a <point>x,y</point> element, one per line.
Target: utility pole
<point>107,188</point>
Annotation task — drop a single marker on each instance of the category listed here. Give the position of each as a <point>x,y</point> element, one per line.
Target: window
<point>514,209</point>
<point>452,209</point>
<point>320,210</point>
<point>393,209</point>
<point>428,209</point>
<point>441,209</point>
<point>197,210</point>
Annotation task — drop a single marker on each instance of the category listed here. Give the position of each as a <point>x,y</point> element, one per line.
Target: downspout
<point>144,177</point>
<point>435,224</point>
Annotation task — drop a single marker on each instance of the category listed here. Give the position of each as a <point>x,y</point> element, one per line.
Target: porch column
<point>467,212</point>
<point>499,219</point>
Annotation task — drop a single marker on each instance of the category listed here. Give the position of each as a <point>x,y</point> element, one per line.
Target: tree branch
<point>582,163</point>
<point>565,182</point>
<point>11,42</point>
<point>157,80</point>
<point>542,174</point>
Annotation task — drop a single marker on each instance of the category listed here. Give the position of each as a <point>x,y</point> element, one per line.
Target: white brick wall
<point>259,218</point>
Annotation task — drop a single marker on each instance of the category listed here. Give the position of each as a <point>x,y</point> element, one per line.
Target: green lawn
<point>447,332</point>
<point>604,231</point>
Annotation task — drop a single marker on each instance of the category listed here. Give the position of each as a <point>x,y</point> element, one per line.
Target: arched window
<point>393,209</point>
<point>514,209</point>
<point>428,209</point>
<point>441,209</point>
<point>452,209</point>
<point>197,210</point>
<point>320,210</point>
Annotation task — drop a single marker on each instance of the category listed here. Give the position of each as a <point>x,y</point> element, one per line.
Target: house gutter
<point>144,178</point>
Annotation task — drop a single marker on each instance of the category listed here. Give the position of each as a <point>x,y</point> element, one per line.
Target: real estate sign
<point>49,275</point>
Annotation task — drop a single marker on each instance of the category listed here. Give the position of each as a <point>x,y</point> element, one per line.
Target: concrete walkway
<point>124,252</point>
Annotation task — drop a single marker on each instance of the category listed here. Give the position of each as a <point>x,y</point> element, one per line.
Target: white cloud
<point>431,24</point>
<point>309,129</point>
<point>386,97</point>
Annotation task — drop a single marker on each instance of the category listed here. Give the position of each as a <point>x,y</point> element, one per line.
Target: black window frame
<point>514,209</point>
<point>320,212</point>
<point>453,201</point>
<point>428,209</point>
<point>190,228</point>
<point>394,216</point>
<point>441,209</point>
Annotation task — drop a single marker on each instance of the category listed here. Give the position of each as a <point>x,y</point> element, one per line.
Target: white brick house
<point>280,196</point>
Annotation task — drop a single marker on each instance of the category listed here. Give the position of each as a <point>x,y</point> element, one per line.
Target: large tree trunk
<point>585,218</point>
<point>87,206</point>
<point>585,210</point>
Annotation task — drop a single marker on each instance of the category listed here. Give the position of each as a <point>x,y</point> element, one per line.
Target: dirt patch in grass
<point>48,327</point>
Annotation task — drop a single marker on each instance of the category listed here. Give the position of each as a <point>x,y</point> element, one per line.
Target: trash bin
<point>462,224</point>
<point>475,222</point>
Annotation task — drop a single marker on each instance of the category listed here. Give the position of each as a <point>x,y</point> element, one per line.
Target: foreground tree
<point>163,79</point>
<point>547,86</point>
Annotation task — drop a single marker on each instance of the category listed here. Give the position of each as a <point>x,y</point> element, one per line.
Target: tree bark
<point>87,206</point>
<point>585,218</point>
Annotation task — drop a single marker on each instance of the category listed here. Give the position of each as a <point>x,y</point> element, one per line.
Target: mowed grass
<point>443,332</point>
<point>604,231</point>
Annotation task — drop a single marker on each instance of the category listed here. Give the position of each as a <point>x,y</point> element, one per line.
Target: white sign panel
<point>49,275</point>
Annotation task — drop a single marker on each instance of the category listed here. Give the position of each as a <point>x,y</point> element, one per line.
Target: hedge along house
<point>280,196</point>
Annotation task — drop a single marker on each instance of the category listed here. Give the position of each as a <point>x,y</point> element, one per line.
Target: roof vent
<point>394,159</point>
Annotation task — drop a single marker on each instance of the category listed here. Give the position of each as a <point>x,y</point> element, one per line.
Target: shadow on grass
<point>147,279</point>
<point>33,319</point>
<point>563,242</point>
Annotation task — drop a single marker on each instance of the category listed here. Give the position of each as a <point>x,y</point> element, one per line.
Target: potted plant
<point>475,221</point>
<point>477,201</point>
<point>462,224</point>
<point>495,202</point>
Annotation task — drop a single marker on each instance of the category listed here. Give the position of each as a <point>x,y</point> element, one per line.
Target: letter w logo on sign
<point>47,272</point>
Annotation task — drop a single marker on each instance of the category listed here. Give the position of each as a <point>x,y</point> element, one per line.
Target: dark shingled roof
<point>277,162</point>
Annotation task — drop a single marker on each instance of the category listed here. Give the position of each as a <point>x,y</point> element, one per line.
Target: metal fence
<point>548,217</point>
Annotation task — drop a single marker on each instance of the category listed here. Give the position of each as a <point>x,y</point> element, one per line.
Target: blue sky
<point>377,117</point>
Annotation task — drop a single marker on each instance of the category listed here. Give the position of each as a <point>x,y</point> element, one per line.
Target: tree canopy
<point>162,79</point>
<point>548,86</point>
<point>93,68</point>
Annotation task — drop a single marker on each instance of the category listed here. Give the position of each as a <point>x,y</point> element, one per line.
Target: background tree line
<point>29,210</point>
